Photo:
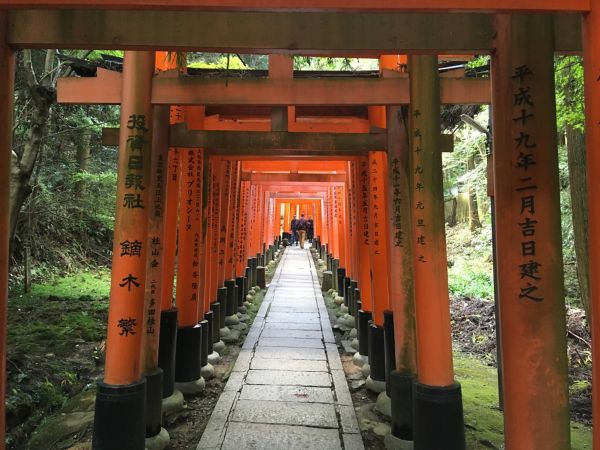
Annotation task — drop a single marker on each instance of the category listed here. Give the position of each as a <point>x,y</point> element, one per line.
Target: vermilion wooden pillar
<point>591,29</point>
<point>224,212</point>
<point>216,195</point>
<point>339,198</point>
<point>154,271</point>
<point>401,281</point>
<point>7,72</point>
<point>529,247</point>
<point>188,272</point>
<point>171,216</point>
<point>119,414</point>
<point>379,256</point>
<point>245,227</point>
<point>231,222</point>
<point>353,218</point>
<point>364,233</point>
<point>438,401</point>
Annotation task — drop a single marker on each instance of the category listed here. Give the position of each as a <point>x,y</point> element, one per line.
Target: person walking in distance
<point>294,227</point>
<point>302,230</point>
<point>310,230</point>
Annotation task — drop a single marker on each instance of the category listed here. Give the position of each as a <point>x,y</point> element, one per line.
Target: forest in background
<point>63,197</point>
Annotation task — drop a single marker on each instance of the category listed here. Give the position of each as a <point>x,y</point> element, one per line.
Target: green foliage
<point>468,279</point>
<point>569,92</point>
<point>221,63</point>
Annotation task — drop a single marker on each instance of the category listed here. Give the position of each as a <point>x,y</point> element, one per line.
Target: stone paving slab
<point>292,326</point>
<point>274,437</point>
<point>291,342</point>
<point>283,333</point>
<point>287,389</point>
<point>309,394</point>
<point>280,377</point>
<point>294,317</point>
<point>321,415</point>
<point>289,353</point>
<point>307,365</point>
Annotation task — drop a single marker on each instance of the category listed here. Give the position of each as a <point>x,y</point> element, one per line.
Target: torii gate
<point>524,47</point>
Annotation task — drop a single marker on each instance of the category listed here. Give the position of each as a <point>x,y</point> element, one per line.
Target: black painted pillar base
<point>341,275</point>
<point>389,347</point>
<point>364,317</point>
<point>352,300</point>
<point>167,350</point>
<point>205,342</point>
<point>401,393</point>
<point>119,419</point>
<point>231,302</point>
<point>154,384</point>
<point>239,281</point>
<point>189,348</point>
<point>346,293</point>
<point>438,417</point>
<point>214,322</point>
<point>376,353</point>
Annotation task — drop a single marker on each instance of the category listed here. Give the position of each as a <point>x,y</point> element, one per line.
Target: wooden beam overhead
<point>312,5</point>
<point>289,178</point>
<point>228,143</point>
<point>309,33</point>
<point>105,89</point>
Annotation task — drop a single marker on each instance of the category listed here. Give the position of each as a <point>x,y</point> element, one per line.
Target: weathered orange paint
<point>528,234</point>
<point>188,264</point>
<point>378,234</point>
<point>156,222</point>
<point>364,232</point>
<point>401,280</point>
<point>244,223</point>
<point>315,5</point>
<point>434,340</point>
<point>591,40</point>
<point>213,241</point>
<point>170,233</point>
<point>126,307</point>
<point>232,231</point>
<point>7,72</point>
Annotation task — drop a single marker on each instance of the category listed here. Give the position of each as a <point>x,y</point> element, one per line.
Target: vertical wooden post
<point>353,217</point>
<point>7,77</point>
<point>402,296</point>
<point>364,233</point>
<point>339,195</point>
<point>438,401</point>
<point>119,416</point>
<point>245,226</point>
<point>379,260</point>
<point>591,58</point>
<point>154,271</point>
<point>529,249</point>
<point>378,234</point>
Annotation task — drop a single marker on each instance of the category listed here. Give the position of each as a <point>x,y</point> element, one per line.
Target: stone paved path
<point>287,389</point>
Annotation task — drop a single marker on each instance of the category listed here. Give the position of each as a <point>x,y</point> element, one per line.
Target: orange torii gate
<point>523,44</point>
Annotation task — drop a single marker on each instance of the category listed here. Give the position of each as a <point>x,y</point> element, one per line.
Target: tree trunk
<point>579,201</point>
<point>474,222</point>
<point>452,217</point>
<point>22,168</point>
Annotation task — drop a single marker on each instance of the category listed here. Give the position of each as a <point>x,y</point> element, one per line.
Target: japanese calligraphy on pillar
<point>364,200</point>
<point>133,203</point>
<point>420,200</point>
<point>197,226</point>
<point>527,153</point>
<point>396,189</point>
<point>375,173</point>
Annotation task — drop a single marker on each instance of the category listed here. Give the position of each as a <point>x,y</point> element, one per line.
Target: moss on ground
<point>483,419</point>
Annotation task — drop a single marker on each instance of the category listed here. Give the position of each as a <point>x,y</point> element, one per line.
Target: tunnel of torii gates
<point>372,180</point>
